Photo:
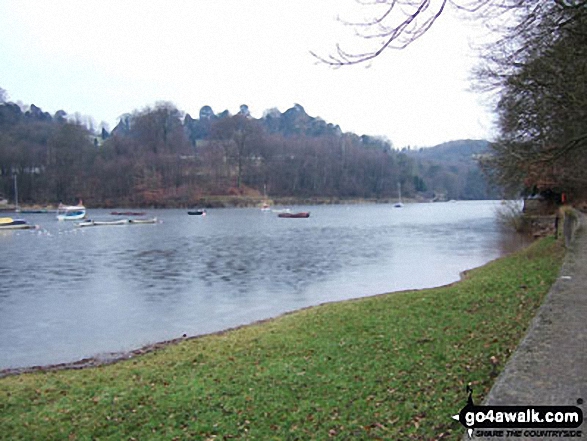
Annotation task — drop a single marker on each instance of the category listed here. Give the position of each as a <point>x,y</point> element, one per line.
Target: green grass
<point>387,367</point>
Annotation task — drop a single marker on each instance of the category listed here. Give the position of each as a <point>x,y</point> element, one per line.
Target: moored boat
<point>301,215</point>
<point>399,203</point>
<point>34,211</point>
<point>128,213</point>
<point>97,223</point>
<point>197,213</point>
<point>85,223</point>
<point>112,222</point>
<point>71,212</point>
<point>282,210</point>
<point>143,221</point>
<point>8,223</point>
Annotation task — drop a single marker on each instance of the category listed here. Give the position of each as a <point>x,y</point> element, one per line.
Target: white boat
<point>282,210</point>
<point>265,207</point>
<point>85,223</point>
<point>71,212</point>
<point>96,223</point>
<point>16,207</point>
<point>112,222</point>
<point>399,204</point>
<point>143,221</point>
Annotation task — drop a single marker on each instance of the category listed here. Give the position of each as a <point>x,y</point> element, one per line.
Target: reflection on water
<point>69,293</point>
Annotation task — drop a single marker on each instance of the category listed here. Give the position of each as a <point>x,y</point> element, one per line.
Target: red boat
<point>294,215</point>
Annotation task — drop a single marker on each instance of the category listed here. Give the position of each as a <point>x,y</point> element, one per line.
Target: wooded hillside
<point>159,156</point>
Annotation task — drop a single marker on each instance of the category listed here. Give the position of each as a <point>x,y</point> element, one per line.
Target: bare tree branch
<point>401,23</point>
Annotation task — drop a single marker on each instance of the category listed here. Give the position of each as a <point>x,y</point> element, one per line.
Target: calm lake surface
<point>67,292</point>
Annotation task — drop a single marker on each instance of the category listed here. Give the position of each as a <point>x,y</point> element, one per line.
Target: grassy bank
<point>387,367</point>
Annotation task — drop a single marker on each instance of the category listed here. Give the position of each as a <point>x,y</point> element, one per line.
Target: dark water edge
<point>105,359</point>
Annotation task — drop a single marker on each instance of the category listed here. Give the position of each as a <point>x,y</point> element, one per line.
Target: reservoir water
<point>67,293</point>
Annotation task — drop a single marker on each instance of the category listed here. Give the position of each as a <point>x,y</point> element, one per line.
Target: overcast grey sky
<point>104,58</point>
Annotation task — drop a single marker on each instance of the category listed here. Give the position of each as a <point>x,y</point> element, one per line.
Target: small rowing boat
<point>128,213</point>
<point>112,222</point>
<point>97,223</point>
<point>301,215</point>
<point>85,223</point>
<point>143,221</point>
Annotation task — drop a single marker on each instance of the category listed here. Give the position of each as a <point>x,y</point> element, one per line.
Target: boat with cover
<point>197,213</point>
<point>128,213</point>
<point>295,215</point>
<point>8,223</point>
<point>71,212</point>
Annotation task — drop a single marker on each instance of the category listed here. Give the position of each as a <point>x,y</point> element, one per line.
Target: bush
<point>510,213</point>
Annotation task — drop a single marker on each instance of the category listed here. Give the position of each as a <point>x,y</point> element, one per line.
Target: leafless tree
<point>538,69</point>
<point>241,135</point>
<point>395,24</point>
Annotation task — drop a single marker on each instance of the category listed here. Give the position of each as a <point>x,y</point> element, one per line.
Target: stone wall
<point>571,222</point>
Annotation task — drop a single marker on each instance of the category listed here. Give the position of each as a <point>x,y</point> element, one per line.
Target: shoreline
<point>109,358</point>
<point>364,368</point>
<point>228,201</point>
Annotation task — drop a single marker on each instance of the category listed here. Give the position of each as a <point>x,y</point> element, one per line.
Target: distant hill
<point>453,152</point>
<point>450,171</point>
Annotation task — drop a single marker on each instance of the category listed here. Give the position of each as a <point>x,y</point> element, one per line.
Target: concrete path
<point>550,365</point>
